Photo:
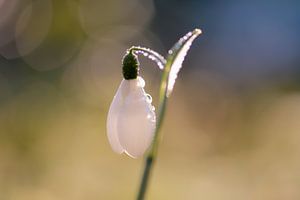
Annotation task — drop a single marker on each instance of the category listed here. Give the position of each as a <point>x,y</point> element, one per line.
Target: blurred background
<point>232,126</point>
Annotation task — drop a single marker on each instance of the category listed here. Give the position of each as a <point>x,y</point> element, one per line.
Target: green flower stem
<point>177,53</point>
<point>152,155</point>
<point>145,178</point>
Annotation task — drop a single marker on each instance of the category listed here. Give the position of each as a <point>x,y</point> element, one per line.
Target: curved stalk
<point>152,55</point>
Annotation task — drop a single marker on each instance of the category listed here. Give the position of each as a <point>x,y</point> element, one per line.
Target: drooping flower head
<point>131,118</point>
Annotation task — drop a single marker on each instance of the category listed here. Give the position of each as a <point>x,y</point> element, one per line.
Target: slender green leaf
<point>176,56</point>
<point>171,68</point>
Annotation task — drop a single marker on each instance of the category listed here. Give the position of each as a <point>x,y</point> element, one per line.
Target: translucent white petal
<point>136,120</point>
<point>112,117</point>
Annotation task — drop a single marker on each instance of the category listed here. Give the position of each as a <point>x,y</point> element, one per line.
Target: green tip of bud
<point>130,66</point>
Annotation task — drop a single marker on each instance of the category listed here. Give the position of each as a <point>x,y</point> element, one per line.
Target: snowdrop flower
<point>131,118</point>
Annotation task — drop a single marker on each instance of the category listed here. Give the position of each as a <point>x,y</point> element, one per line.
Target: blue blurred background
<point>232,125</point>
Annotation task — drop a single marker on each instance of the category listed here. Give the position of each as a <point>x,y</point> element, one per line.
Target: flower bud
<point>131,119</point>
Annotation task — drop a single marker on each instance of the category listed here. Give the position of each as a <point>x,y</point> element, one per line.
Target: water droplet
<point>152,55</point>
<point>149,98</point>
<point>181,48</point>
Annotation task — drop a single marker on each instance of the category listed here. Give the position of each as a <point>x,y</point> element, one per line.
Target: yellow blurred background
<point>232,126</point>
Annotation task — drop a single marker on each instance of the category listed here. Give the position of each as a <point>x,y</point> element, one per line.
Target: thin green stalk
<point>146,175</point>
<point>174,61</point>
<point>152,155</point>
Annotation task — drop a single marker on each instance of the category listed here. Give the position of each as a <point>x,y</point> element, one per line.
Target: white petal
<point>112,117</point>
<point>136,120</point>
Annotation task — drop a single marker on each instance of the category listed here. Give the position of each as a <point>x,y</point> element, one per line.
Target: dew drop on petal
<point>141,82</point>
<point>153,108</point>
<point>149,98</point>
<point>136,122</point>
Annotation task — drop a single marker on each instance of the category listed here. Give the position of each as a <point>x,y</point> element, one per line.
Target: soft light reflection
<point>6,7</point>
<point>33,26</point>
<point>9,13</point>
<point>88,76</point>
<point>62,42</point>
